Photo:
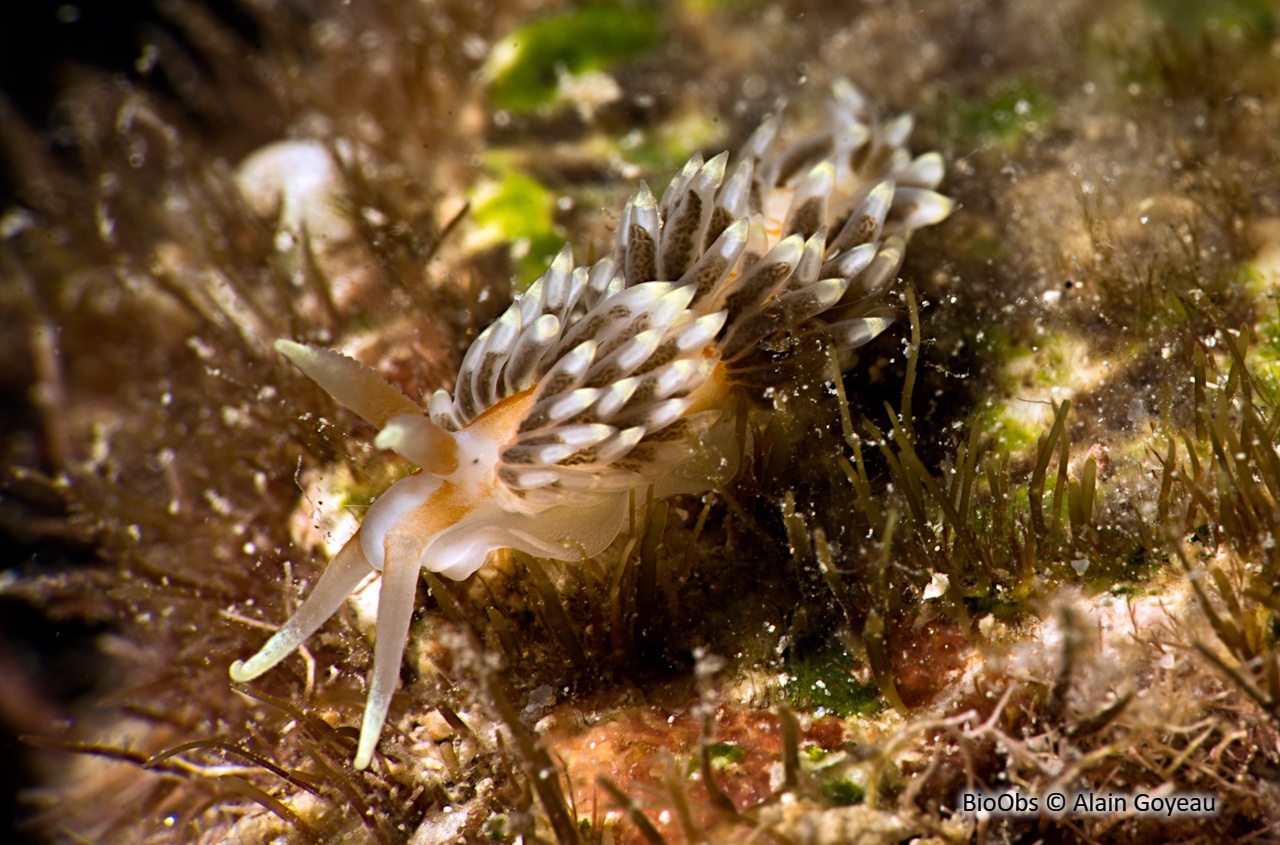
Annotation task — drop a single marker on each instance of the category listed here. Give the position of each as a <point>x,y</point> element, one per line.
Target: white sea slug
<point>605,379</point>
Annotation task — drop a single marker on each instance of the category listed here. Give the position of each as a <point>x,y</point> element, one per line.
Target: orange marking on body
<point>776,206</point>
<point>712,394</point>
<point>444,507</point>
<point>501,420</point>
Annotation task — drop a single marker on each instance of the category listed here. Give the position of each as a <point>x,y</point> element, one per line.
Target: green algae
<point>824,677</point>
<point>843,792</point>
<point>667,146</point>
<point>525,67</point>
<point>1010,433</point>
<point>1190,17</point>
<point>814,753</point>
<point>518,209</point>
<point>725,754</point>
<point>708,6</point>
<point>1010,110</point>
<point>1264,359</point>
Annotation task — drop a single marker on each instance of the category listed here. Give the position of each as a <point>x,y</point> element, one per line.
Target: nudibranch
<point>606,379</point>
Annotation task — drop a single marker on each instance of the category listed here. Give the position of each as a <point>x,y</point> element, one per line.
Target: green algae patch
<point>1264,358</point>
<point>519,209</point>
<point>1012,433</point>
<point>1011,109</point>
<point>1190,17</point>
<point>725,754</point>
<point>669,145</point>
<point>706,7</point>
<point>1252,278</point>
<point>823,678</point>
<point>843,792</point>
<point>1260,278</point>
<point>525,67</point>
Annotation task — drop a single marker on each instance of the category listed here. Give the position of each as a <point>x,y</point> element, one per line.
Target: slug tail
<point>343,574</point>
<point>395,607</point>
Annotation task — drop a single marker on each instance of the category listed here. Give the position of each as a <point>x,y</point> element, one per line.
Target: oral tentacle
<point>395,607</point>
<point>417,438</point>
<point>347,569</point>
<point>353,384</point>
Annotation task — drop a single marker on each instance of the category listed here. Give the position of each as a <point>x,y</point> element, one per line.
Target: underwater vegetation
<point>1022,539</point>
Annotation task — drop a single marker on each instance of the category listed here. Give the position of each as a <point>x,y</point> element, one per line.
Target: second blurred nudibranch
<point>606,379</point>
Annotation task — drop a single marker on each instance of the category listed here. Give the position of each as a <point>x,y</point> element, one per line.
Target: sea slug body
<point>605,379</point>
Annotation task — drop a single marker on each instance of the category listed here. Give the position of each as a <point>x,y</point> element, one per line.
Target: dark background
<point>44,42</point>
<point>43,46</point>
